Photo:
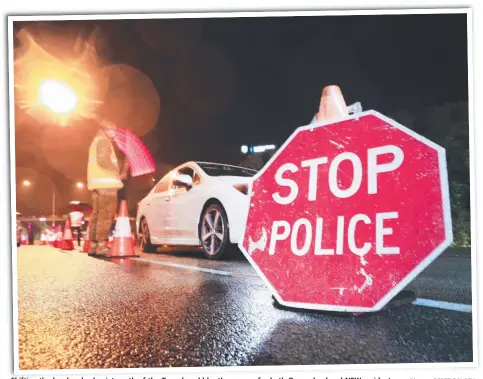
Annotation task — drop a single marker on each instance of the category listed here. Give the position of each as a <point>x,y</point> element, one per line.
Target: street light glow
<point>263,148</point>
<point>80,185</point>
<point>57,96</point>
<point>257,149</point>
<point>26,183</point>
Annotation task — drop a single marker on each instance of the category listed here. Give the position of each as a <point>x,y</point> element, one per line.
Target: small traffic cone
<point>332,105</point>
<point>85,248</point>
<point>68,241</point>
<point>122,246</point>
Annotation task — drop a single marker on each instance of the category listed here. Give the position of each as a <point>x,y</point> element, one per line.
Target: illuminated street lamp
<point>57,96</point>
<point>27,183</point>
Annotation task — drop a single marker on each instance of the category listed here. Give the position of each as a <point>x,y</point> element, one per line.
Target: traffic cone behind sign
<point>332,104</point>
<point>122,246</point>
<point>67,242</point>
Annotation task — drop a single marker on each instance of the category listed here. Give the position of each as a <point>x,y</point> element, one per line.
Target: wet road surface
<point>177,309</point>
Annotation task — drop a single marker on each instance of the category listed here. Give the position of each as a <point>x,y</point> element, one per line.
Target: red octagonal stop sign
<point>346,214</point>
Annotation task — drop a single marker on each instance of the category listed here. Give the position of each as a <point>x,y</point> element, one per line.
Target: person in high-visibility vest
<point>104,181</point>
<point>76,221</point>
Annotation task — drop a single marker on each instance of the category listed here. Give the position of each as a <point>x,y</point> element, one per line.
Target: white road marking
<point>195,268</point>
<point>443,305</point>
<point>467,308</point>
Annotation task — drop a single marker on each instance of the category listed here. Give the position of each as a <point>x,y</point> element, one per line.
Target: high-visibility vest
<point>97,176</point>
<point>76,218</point>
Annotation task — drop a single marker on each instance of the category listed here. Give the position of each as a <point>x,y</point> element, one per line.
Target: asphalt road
<point>177,309</point>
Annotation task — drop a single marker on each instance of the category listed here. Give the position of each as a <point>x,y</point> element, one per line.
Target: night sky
<point>272,71</point>
<point>227,82</point>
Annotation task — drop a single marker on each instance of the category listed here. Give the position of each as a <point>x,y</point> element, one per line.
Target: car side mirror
<point>184,181</point>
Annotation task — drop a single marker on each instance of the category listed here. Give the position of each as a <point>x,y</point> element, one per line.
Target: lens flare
<point>57,96</point>
<point>54,82</point>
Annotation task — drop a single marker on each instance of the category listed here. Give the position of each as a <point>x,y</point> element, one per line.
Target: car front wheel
<point>145,237</point>
<point>214,232</point>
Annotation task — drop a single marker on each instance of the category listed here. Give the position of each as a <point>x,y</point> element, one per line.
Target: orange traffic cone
<point>332,105</point>
<point>85,248</point>
<point>58,238</point>
<point>122,246</point>
<point>68,241</point>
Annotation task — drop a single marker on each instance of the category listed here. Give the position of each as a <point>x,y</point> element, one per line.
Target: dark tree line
<point>448,126</point>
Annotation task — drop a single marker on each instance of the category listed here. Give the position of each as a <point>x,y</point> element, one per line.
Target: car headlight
<point>243,188</point>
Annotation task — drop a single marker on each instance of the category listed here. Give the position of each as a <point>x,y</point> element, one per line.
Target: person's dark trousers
<point>113,227</point>
<point>77,229</point>
<point>104,203</point>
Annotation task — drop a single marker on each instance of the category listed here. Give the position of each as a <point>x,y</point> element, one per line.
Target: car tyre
<point>145,240</point>
<point>214,232</point>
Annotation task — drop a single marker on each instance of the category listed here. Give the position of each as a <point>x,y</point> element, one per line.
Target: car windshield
<point>213,169</point>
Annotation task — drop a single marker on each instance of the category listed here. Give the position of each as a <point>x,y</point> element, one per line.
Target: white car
<point>196,204</point>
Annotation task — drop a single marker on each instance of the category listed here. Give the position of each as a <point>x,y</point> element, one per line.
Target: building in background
<point>256,155</point>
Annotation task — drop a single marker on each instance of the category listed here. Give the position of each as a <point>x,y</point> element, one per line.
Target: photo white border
<point>237,14</point>
<point>472,169</point>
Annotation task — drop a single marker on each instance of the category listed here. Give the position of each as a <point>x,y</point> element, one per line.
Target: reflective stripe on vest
<point>104,180</point>
<point>76,218</point>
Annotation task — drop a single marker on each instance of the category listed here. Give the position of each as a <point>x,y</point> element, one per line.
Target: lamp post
<point>53,207</point>
<point>28,183</point>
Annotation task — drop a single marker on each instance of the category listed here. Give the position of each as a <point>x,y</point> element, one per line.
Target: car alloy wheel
<point>146,245</point>
<point>214,231</point>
